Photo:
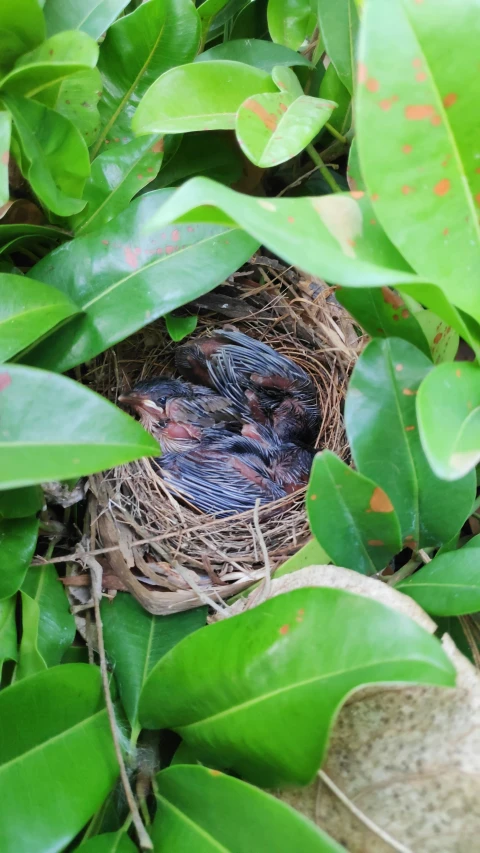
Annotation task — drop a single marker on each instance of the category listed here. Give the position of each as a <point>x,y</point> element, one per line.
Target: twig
<point>405,572</point>
<point>96,575</point>
<point>424,556</point>
<point>470,638</point>
<point>315,157</point>
<point>361,816</point>
<point>266,587</point>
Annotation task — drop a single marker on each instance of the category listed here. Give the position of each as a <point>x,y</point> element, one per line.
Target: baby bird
<point>255,378</point>
<point>177,413</point>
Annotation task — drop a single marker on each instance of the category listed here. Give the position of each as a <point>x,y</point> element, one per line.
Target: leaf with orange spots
<point>137,50</point>
<point>199,96</point>
<point>427,139</point>
<point>233,689</point>
<point>382,428</point>
<point>329,236</point>
<point>5,129</point>
<point>273,128</point>
<point>382,313</point>
<point>198,808</point>
<point>128,274</point>
<point>351,518</point>
<point>117,175</point>
<point>448,406</point>
<point>339,26</point>
<point>443,339</point>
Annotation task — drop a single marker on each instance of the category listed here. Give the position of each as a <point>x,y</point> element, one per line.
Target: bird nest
<point>167,554</point>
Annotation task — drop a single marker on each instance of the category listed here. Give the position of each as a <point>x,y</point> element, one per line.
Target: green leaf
<point>290,22</point>
<point>109,842</point>
<point>117,176</point>
<point>332,89</point>
<point>16,236</point>
<point>339,26</point>
<point>449,585</point>
<point>383,313</point>
<point>448,408</point>
<point>233,689</point>
<point>382,429</point>
<point>18,538</point>
<point>435,299</point>
<point>5,131</point>
<point>311,554</point>
<point>214,155</point>
<point>197,809</point>
<point>417,137</point>
<point>354,174</point>
<point>20,503</point>
<point>273,128</point>
<point>28,309</point>
<point>442,339</point>
<point>127,275</point>
<point>54,157</point>
<point>91,16</point>
<point>179,327</point>
<point>22,27</point>
<point>48,625</point>
<point>350,516</point>
<point>261,54</point>
<point>57,761</point>
<point>199,96</point>
<point>8,631</point>
<point>136,640</point>
<point>53,428</point>
<point>77,99</point>
<point>137,50</point>
<point>50,63</point>
<point>329,236</point>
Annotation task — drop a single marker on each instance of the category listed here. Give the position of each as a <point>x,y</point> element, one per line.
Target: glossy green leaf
<point>354,173</point>
<point>54,157</point>
<point>77,99</point>
<point>48,625</point>
<point>22,27</point>
<point>5,131</point>
<point>214,155</point>
<point>273,128</point>
<point>127,275</point>
<point>208,10</point>
<point>179,327</point>
<point>350,516</point>
<point>435,299</point>
<point>137,50</point>
<point>8,631</point>
<point>262,54</point>
<point>449,585</point>
<point>50,63</point>
<point>339,27</point>
<point>383,313</point>
<point>28,309</point>
<point>18,538</point>
<point>198,809</point>
<point>311,554</point>
<point>448,408</point>
<point>417,137</point>
<point>382,429</point>
<point>442,339</point>
<point>233,689</point>
<point>109,842</point>
<point>136,640</point>
<point>227,17</point>
<point>91,16</point>
<point>329,236</point>
<point>16,235</point>
<point>20,503</point>
<point>54,428</point>
<point>290,22</point>
<point>117,176</point>
<point>332,89</point>
<point>199,96</point>
<point>57,761</point>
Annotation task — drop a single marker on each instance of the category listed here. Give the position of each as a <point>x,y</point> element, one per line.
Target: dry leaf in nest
<point>403,766</point>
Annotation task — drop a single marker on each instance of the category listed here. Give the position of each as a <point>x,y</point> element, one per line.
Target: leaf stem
<point>335,133</point>
<point>315,156</point>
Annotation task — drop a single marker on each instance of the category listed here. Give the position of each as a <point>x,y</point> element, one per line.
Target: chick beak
<point>141,403</point>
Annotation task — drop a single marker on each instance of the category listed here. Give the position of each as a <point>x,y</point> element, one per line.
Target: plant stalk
<point>315,156</point>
